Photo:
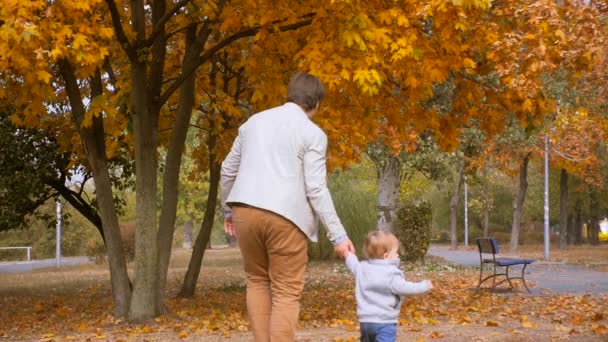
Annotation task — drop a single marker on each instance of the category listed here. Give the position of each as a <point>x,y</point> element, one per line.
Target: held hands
<point>229,227</point>
<point>343,248</point>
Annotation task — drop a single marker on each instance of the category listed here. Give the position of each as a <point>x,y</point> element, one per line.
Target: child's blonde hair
<point>378,243</point>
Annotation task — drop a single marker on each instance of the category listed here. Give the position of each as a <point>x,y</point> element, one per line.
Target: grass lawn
<point>74,303</point>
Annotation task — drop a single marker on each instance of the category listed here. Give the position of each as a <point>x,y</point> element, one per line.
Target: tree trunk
<point>518,203</point>
<point>77,202</point>
<point>389,183</point>
<point>486,207</point>
<point>188,235</point>
<point>194,267</point>
<point>571,230</point>
<point>454,204</point>
<point>172,168</point>
<point>145,300</point>
<point>594,218</point>
<point>563,209</point>
<point>94,142</point>
<point>578,223</point>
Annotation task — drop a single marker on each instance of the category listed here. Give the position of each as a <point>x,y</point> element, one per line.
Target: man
<point>273,190</point>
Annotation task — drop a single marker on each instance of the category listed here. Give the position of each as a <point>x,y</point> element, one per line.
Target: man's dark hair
<point>305,90</point>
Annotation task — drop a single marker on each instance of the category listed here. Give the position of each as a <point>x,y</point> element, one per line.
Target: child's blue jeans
<point>378,332</point>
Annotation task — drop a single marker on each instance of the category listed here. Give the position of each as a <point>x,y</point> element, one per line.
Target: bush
<point>530,238</point>
<point>95,251</point>
<point>356,204</point>
<point>127,232</point>
<point>413,228</point>
<point>503,238</point>
<point>474,233</point>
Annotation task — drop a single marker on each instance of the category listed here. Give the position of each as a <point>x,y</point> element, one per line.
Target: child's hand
<point>430,285</point>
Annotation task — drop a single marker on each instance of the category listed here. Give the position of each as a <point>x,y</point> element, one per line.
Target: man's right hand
<point>229,227</point>
<point>343,248</point>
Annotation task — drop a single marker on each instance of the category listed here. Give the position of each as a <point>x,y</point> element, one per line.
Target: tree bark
<point>389,183</point>
<point>145,301</point>
<point>194,267</point>
<point>172,168</point>
<point>518,203</point>
<point>578,223</point>
<point>454,204</point>
<point>94,142</point>
<point>571,230</point>
<point>563,209</point>
<point>594,218</point>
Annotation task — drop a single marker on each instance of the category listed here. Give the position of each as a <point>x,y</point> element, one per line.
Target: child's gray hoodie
<point>380,285</point>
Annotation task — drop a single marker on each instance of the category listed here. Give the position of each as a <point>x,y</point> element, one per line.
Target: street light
<point>547,197</point>
<point>59,224</point>
<point>466,213</point>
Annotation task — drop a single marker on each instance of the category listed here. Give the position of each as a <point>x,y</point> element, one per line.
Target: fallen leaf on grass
<point>599,329</point>
<point>598,316</point>
<point>491,324</point>
<point>183,335</point>
<point>563,328</point>
<point>526,323</point>
<point>435,334</point>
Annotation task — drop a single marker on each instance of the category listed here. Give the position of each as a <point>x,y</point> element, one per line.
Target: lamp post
<point>59,224</point>
<point>546,197</point>
<point>466,213</point>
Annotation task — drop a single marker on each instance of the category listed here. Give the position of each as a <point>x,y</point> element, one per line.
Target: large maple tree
<point>131,74</point>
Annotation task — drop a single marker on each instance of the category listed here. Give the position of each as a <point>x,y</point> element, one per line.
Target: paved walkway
<point>25,266</point>
<point>549,277</point>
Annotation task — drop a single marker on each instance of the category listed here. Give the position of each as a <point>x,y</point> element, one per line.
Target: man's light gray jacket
<point>277,163</point>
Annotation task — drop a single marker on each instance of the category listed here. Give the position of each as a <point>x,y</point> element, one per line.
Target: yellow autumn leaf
<point>527,106</point>
<point>43,76</point>
<point>599,329</point>
<point>560,34</point>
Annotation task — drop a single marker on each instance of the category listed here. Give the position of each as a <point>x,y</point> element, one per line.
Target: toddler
<point>380,285</point>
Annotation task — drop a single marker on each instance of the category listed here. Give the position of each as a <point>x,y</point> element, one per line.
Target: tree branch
<point>120,32</point>
<point>248,32</point>
<point>158,27</point>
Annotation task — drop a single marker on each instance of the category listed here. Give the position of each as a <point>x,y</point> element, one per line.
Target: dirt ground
<point>74,304</point>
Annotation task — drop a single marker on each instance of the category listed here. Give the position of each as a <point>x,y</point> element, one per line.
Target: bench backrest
<point>488,245</point>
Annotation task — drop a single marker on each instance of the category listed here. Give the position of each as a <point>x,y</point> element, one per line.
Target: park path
<point>25,266</point>
<point>550,278</point>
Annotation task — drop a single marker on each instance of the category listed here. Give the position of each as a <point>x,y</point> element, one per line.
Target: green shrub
<point>354,196</point>
<point>531,238</point>
<point>503,238</point>
<point>413,229</point>
<point>474,233</point>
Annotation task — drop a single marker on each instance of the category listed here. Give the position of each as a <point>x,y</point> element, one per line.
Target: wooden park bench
<point>490,246</point>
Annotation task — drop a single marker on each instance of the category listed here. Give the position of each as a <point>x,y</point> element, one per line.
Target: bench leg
<point>508,279</point>
<point>524,279</point>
